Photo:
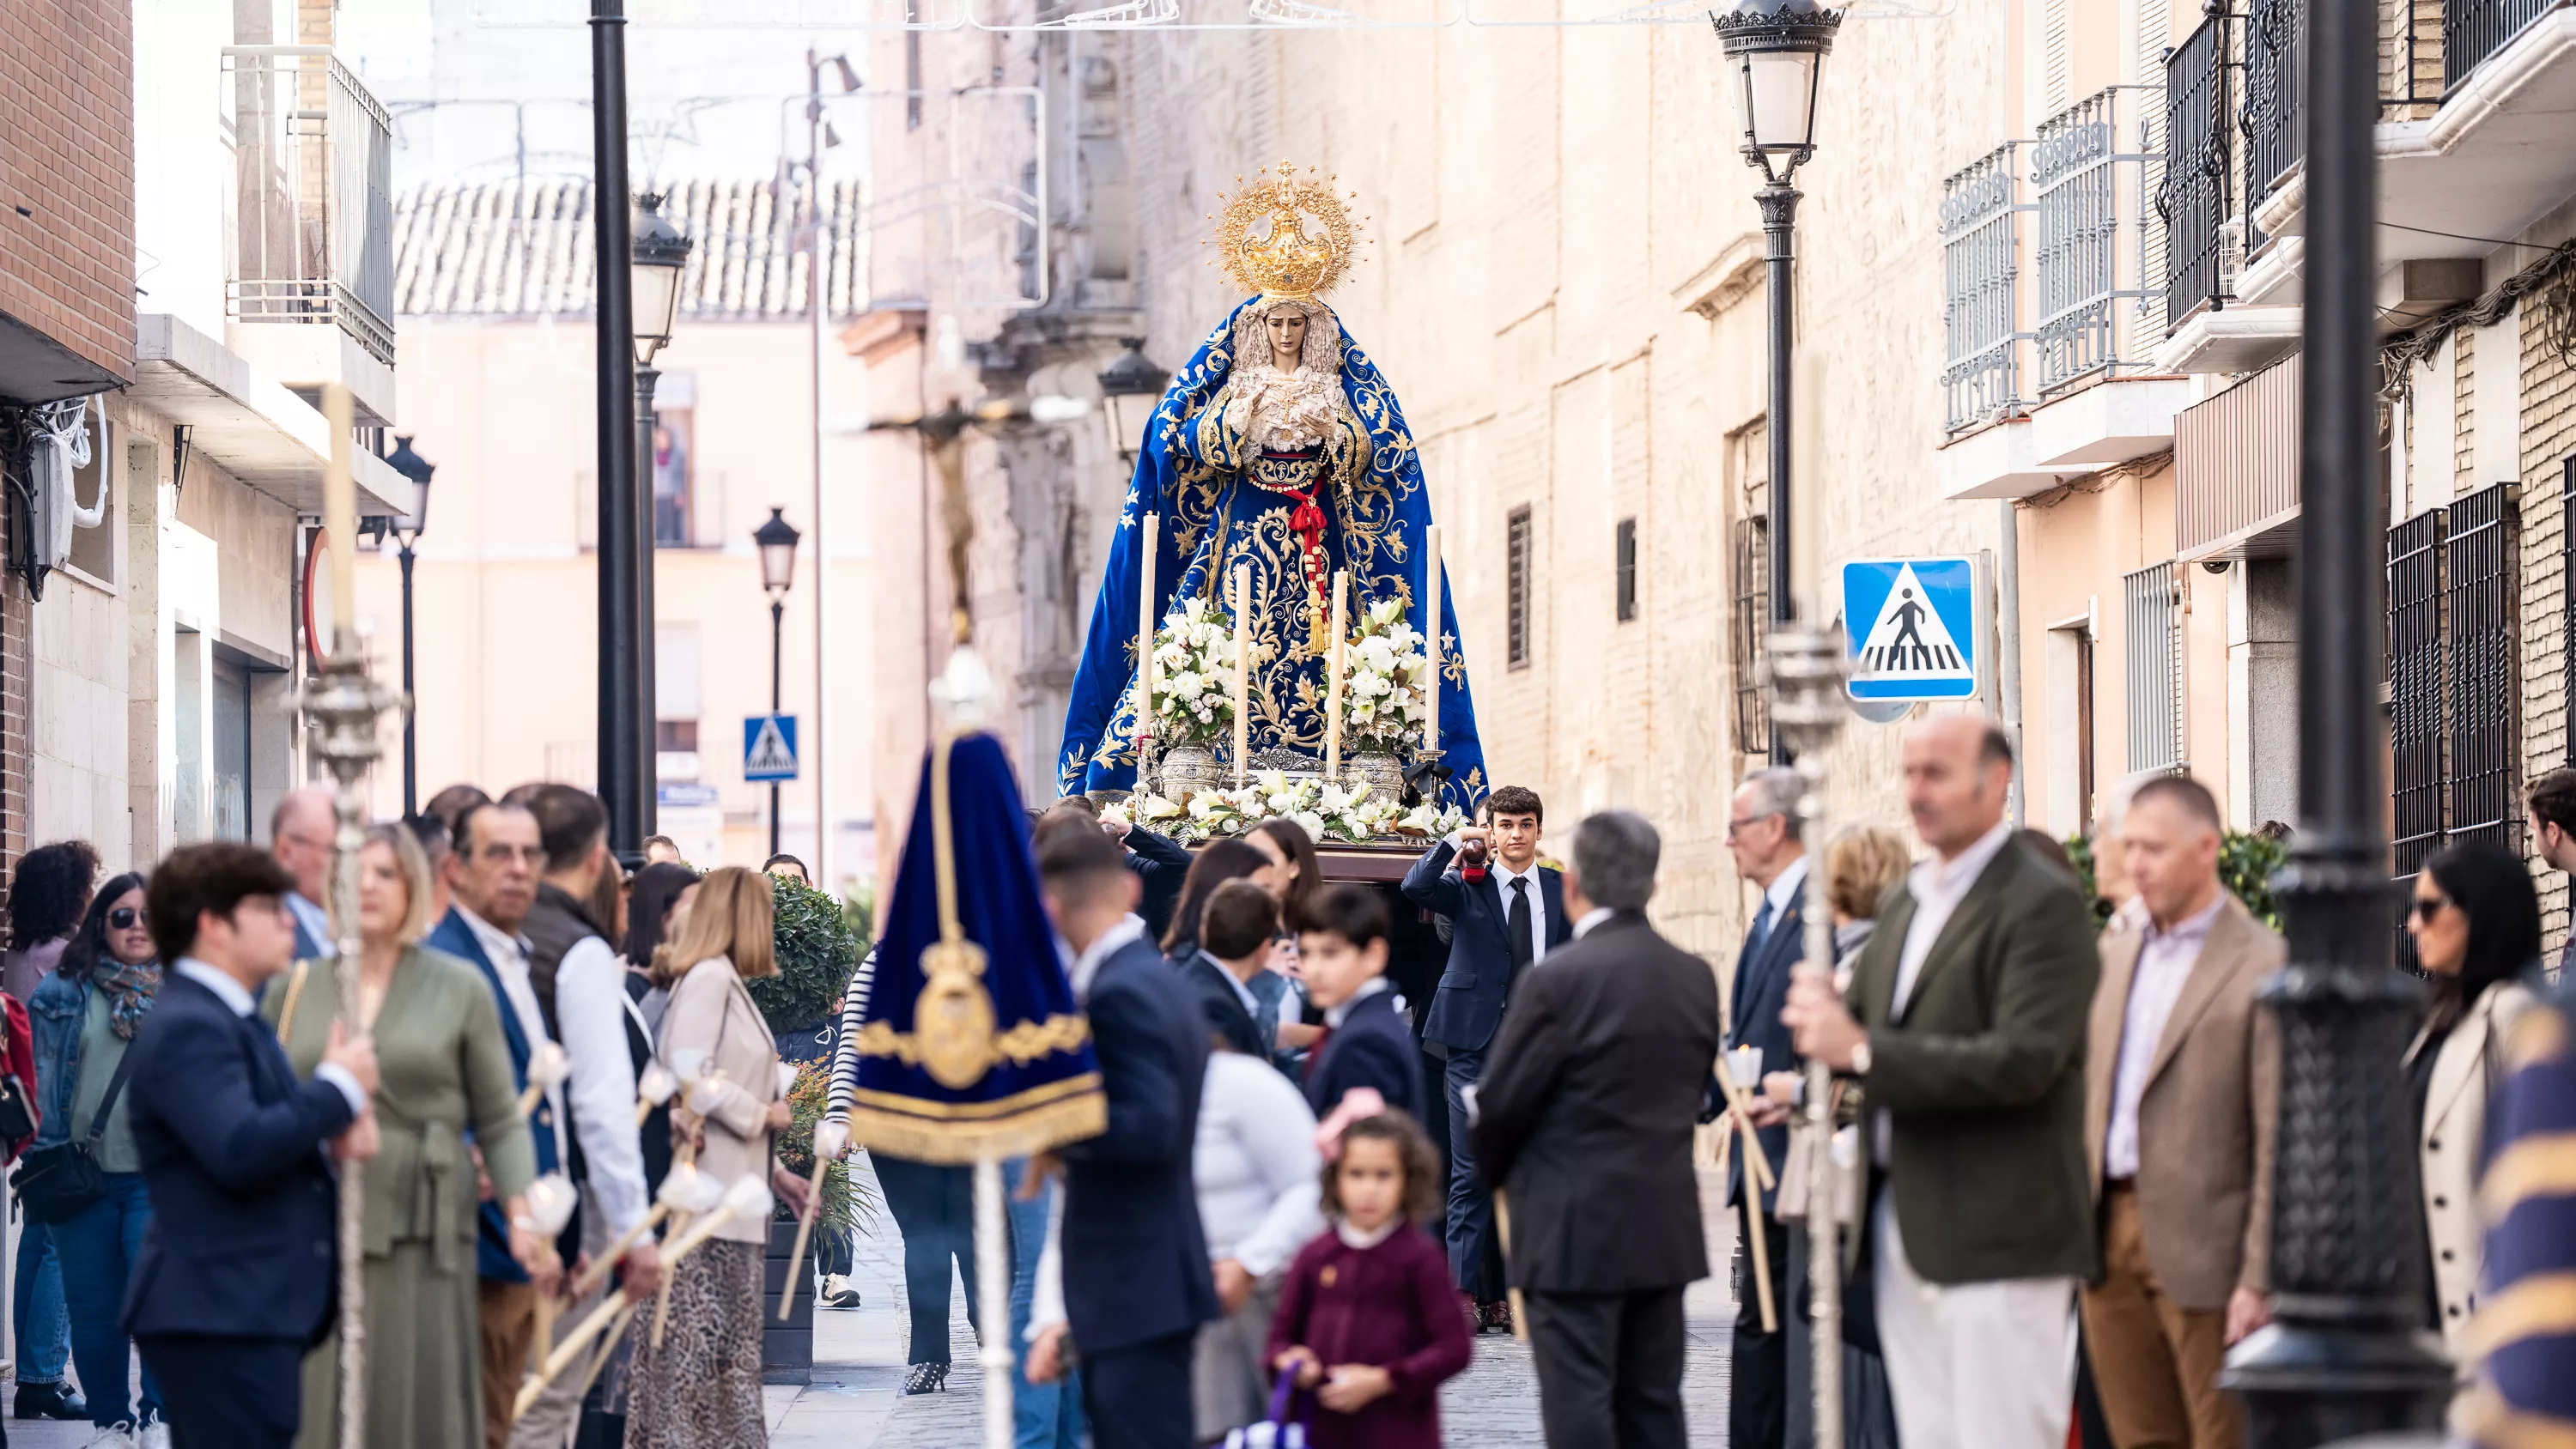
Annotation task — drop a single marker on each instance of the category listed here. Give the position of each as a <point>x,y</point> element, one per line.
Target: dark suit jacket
<point>1478,979</point>
<point>1160,866</point>
<point>1135,1259</point>
<point>1373,1047</point>
<point>1220,1007</point>
<point>1761,990</point>
<point>1587,1109</point>
<point>1983,1075</point>
<point>243,1201</point>
<point>492,1235</point>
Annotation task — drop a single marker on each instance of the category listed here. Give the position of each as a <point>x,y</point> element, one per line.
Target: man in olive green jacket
<point>1965,1027</point>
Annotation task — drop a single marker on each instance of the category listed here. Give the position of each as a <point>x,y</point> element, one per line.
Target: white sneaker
<point>155,1435</point>
<point>114,1436</point>
<point>840,1292</point>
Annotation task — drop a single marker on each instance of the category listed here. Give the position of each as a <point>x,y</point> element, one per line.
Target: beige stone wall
<point>2548,443</point>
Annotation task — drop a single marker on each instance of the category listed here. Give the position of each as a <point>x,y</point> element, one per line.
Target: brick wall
<point>2548,439</point>
<point>67,155</point>
<point>17,669</point>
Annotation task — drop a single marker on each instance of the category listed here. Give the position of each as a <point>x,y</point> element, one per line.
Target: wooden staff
<point>547,1068</point>
<point>1758,1169</point>
<point>1511,1295</point>
<point>830,1137</point>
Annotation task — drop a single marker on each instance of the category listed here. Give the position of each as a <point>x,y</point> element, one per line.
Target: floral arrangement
<point>1193,700</point>
<point>1385,667</point>
<point>1325,811</point>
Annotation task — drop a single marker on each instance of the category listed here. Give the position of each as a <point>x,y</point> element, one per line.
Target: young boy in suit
<point>1342,946</point>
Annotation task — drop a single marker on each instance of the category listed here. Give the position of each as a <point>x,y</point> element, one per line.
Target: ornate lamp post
<point>659,255</point>
<point>2343,1356</point>
<point>624,646</point>
<point>1778,47</point>
<point>776,540</point>
<point>1130,387</point>
<point>407,530</point>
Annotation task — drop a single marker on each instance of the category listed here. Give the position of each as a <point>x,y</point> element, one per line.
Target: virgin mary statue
<point>1280,450</point>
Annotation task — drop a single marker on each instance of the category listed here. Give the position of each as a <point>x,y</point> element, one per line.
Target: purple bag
<point>1277,1431</point>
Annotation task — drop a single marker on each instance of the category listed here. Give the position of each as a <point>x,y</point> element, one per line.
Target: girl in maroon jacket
<point>1368,1320</point>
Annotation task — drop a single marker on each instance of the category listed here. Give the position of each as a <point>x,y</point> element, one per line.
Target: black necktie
<point>1522,955</point>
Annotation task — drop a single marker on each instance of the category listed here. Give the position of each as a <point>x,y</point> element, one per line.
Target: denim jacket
<point>54,1015</point>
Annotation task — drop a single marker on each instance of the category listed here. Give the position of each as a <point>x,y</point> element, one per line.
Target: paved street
<point>854,1400</point>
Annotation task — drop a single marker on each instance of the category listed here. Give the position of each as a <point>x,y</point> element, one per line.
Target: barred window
<point>1627,569</point>
<point>1752,621</point>
<point>2154,668</point>
<point>1516,588</point>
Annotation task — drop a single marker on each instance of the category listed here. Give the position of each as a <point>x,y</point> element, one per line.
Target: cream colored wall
<point>505,603</point>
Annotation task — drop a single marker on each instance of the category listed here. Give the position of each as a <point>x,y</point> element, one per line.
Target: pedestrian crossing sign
<point>769,748</point>
<point>1910,626</point>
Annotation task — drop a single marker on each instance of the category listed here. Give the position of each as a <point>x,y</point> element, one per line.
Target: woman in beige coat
<point>2476,924</point>
<point>701,1388</point>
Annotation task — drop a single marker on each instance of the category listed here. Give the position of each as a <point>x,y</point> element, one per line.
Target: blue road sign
<point>769,748</point>
<point>1910,624</point>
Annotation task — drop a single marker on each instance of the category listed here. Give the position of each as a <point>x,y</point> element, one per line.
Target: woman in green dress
<point>445,1071</point>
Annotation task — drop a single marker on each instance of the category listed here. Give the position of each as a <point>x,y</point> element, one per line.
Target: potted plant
<point>817,949</point>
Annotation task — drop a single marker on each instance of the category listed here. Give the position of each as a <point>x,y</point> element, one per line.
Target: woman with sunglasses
<point>86,1015</point>
<point>2476,926</point>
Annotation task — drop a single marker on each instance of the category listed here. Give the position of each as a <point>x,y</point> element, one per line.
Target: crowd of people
<point>182,1073</point>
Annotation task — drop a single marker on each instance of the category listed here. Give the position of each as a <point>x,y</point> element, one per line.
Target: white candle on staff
<point>1431,633</point>
<point>1333,682</point>
<point>1145,642</point>
<point>340,513</point>
<point>1242,674</point>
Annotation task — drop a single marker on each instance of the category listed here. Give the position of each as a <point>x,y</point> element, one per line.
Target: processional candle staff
<point>344,703</point>
<point>1335,667</point>
<point>1145,621</point>
<point>1431,637</point>
<point>1807,668</point>
<point>1242,675</point>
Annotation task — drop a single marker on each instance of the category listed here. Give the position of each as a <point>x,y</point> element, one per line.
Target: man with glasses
<point>1762,834</point>
<point>2553,832</point>
<point>299,835</point>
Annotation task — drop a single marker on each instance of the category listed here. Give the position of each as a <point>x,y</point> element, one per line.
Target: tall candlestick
<point>1145,628</point>
<point>1242,674</point>
<point>1431,634</point>
<point>1333,670</point>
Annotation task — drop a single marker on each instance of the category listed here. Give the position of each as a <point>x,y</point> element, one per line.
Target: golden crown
<point>1283,235</point>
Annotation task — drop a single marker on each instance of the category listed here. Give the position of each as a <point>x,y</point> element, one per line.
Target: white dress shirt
<point>1782,890</point>
<point>316,922</point>
<point>1255,1165</point>
<point>1242,993</point>
<point>590,1007</point>
<point>1503,876</point>
<point>1334,1016</point>
<point>1592,918</point>
<point>2165,959</point>
<point>1087,965</point>
<point>509,957</point>
<point>237,996</point>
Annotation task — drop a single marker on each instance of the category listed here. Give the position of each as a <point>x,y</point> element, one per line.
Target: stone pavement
<point>855,1401</point>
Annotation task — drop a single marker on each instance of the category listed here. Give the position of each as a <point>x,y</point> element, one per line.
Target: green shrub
<point>817,951</point>
<point>2246,863</point>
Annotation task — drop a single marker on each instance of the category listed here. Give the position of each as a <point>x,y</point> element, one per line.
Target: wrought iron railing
<point>1748,629</point>
<point>2195,198</point>
<point>2483,637</point>
<point>2472,30</point>
<point>1981,266</point>
<point>313,191</point>
<point>2274,122</point>
<point>2095,236</point>
<point>2415,697</point>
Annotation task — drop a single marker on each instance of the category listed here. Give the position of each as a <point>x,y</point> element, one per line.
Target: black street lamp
<point>625,635</point>
<point>1779,48</point>
<point>659,256</point>
<point>407,529</point>
<point>777,542</point>
<point>2343,1356</point>
<point>1131,387</point>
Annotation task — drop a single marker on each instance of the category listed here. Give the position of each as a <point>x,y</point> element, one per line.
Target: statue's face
<point>1287,336</point>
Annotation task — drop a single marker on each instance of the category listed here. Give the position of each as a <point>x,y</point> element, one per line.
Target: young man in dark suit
<point>1506,913</point>
<point>1342,948</point>
<point>1591,1096</point>
<point>1762,834</point>
<point>235,1278</point>
<point>1159,863</point>
<point>1235,932</point>
<point>1136,1283</point>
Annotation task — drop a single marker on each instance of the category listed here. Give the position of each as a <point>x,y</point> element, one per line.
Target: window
<point>230,797</point>
<point>1745,639</point>
<point>2155,668</point>
<point>1516,588</point>
<point>675,734</point>
<point>1627,554</point>
<point>674,443</point>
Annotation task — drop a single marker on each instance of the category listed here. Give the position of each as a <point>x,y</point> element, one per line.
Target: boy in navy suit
<point>235,1279</point>
<point>1341,948</point>
<point>1505,912</point>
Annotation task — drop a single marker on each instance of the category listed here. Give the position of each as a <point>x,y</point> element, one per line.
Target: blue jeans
<point>1043,1416</point>
<point>44,1328</point>
<point>934,1210</point>
<point>98,1249</point>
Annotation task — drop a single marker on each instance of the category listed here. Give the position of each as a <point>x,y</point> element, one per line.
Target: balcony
<point>2236,469</point>
<point>309,294</point>
<point>2053,386</point>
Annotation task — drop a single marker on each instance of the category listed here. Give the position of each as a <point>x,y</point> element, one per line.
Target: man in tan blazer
<point>2178,1114</point>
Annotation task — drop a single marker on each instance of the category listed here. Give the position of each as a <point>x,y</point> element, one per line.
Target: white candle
<point>340,515</point>
<point>1333,667</point>
<point>1242,674</point>
<point>1145,622</point>
<point>1431,634</point>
